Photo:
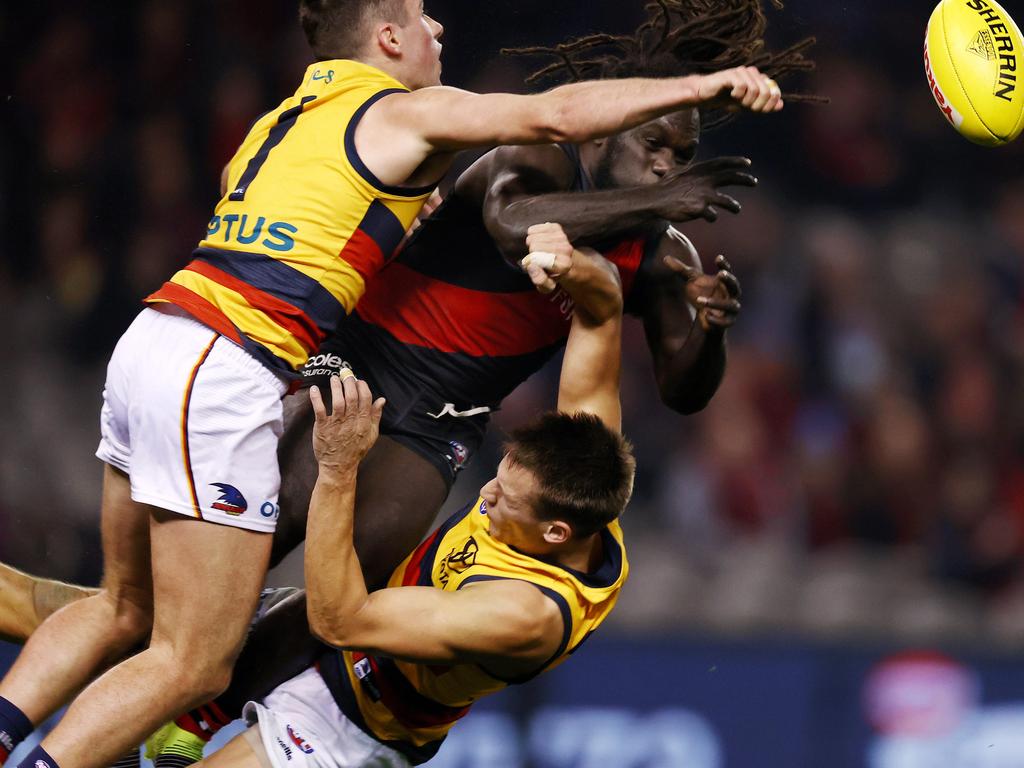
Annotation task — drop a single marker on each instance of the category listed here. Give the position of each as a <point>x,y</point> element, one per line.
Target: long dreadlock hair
<point>679,37</point>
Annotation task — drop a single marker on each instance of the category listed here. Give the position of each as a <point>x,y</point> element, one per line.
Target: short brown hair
<point>335,28</point>
<point>585,470</point>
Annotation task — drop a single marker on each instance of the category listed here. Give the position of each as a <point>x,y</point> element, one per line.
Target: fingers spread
<point>365,399</point>
<point>349,395</point>
<point>319,409</point>
<point>677,265</point>
<point>731,283</point>
<point>338,396</point>
<point>729,306</point>
<point>728,202</point>
<point>732,178</point>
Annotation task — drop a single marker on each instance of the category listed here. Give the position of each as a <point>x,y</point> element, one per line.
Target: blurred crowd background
<point>859,474</point>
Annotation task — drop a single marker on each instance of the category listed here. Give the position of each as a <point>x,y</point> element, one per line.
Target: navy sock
<point>132,760</point>
<point>38,758</point>
<point>14,727</point>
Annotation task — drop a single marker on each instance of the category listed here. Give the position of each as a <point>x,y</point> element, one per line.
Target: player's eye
<point>682,158</point>
<point>652,142</point>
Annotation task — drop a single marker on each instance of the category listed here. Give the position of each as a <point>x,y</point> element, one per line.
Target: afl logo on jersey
<point>458,560</point>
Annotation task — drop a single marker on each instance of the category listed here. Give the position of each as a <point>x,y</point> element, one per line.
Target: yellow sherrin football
<point>974,61</point>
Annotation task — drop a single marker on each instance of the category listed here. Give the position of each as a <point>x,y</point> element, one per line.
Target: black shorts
<point>417,415</point>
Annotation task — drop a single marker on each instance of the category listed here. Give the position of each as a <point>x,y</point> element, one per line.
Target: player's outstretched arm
<point>399,132</point>
<point>341,438</point>
<point>498,624</point>
<point>527,184</point>
<point>486,621</point>
<point>593,354</point>
<point>686,314</point>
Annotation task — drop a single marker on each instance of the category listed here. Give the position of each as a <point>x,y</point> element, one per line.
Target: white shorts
<point>194,420</point>
<point>301,727</point>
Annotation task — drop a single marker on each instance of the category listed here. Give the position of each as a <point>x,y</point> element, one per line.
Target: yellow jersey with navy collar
<point>411,707</point>
<point>303,225</point>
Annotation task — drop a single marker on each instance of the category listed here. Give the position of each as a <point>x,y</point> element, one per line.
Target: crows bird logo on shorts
<point>231,499</point>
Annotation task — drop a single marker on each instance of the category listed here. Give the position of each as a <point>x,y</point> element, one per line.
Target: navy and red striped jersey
<point>450,315</point>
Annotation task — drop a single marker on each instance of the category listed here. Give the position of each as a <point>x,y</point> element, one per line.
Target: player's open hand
<point>694,193</point>
<point>739,87</point>
<point>549,257</point>
<point>343,437</point>
<point>715,297</point>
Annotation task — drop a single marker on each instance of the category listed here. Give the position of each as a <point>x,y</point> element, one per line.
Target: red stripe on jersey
<point>363,254</point>
<point>411,577</point>
<point>410,708</point>
<point>627,256</point>
<point>419,310</point>
<point>289,317</point>
<point>427,312</point>
<point>197,306</point>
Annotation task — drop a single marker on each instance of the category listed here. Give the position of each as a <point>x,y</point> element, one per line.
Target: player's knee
<point>132,617</point>
<point>207,681</point>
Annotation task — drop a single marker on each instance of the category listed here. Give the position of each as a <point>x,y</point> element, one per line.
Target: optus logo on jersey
<point>279,233</point>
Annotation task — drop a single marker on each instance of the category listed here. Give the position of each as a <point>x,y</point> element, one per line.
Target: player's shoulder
<point>517,597</point>
<point>668,241</point>
<point>395,102</point>
<point>672,242</point>
<point>548,160</point>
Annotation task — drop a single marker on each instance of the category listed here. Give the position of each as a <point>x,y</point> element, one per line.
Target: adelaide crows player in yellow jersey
<point>501,592</point>
<point>319,193</point>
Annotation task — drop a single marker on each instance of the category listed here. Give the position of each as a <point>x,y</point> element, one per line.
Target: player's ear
<point>387,39</point>
<point>557,532</point>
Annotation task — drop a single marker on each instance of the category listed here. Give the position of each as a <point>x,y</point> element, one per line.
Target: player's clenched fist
<point>549,257</point>
<point>342,437</point>
<point>740,87</point>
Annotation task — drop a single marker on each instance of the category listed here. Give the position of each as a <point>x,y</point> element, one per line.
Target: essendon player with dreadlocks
<point>452,324</point>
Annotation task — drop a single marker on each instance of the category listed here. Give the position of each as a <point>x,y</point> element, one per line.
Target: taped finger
<point>543,259</point>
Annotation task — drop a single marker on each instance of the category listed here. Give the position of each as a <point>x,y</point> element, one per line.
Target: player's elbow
<point>508,234</point>
<point>332,628</point>
<point>683,399</point>
<point>325,631</point>
<point>686,406</point>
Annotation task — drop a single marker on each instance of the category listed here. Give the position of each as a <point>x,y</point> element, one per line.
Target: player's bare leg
<point>17,613</point>
<point>79,641</point>
<point>206,582</point>
<point>391,519</point>
<point>27,601</point>
<point>244,751</point>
